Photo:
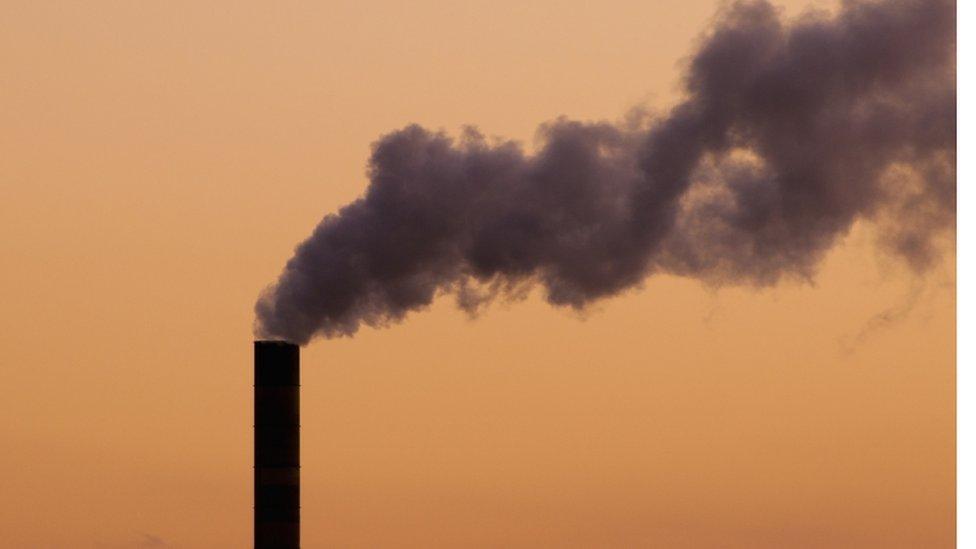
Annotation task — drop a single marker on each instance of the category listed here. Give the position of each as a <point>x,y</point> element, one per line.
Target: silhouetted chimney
<point>276,445</point>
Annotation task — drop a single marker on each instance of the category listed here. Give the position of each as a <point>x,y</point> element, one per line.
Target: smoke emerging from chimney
<point>788,134</point>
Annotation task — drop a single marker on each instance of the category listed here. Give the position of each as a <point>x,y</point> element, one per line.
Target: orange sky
<point>161,160</point>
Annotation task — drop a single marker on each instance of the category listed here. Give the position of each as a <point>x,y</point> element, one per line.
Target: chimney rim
<point>277,342</point>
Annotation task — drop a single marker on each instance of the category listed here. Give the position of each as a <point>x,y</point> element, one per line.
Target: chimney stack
<point>276,445</point>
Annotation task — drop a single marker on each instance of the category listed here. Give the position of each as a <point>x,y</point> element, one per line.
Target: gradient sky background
<point>161,160</point>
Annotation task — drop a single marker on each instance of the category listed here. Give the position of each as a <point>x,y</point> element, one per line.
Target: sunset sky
<point>160,163</point>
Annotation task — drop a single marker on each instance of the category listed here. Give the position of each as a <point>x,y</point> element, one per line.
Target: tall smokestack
<point>276,445</point>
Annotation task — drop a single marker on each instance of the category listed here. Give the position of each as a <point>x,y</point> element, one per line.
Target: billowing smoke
<point>788,134</point>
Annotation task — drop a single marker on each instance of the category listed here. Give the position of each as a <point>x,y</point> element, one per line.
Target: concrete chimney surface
<point>276,445</point>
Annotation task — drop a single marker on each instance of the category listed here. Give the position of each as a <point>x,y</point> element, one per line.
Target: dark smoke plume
<point>788,134</point>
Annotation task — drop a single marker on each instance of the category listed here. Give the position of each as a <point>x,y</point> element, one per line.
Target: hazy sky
<point>160,161</point>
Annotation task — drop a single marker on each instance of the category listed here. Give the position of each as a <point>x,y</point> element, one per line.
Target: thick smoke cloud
<point>788,134</point>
